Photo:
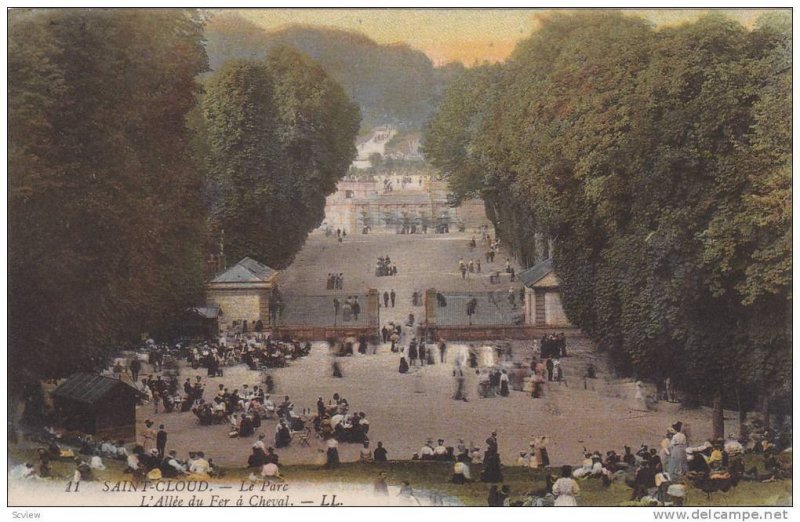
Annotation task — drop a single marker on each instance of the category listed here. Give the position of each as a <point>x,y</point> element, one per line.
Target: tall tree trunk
<point>765,409</point>
<point>718,417</point>
<point>742,413</point>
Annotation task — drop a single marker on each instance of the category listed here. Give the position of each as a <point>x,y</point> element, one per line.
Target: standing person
<point>566,489</point>
<point>136,367</point>
<point>421,351</point>
<point>550,367</point>
<point>491,445</point>
<point>385,299</point>
<point>678,462</point>
<point>161,441</point>
<point>461,393</point>
<point>504,384</point>
<point>385,334</point>
<point>392,295</point>
<point>430,354</point>
<point>333,453</point>
<point>148,435</point>
<point>412,351</point>
<point>442,351</point>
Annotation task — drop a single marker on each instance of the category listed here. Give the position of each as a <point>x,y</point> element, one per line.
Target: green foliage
<point>279,134</point>
<point>105,217</point>
<point>120,180</point>
<point>390,83</point>
<point>659,164</point>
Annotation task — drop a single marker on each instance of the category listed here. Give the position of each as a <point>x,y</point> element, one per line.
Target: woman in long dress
<point>566,489</point>
<point>504,384</point>
<point>678,463</point>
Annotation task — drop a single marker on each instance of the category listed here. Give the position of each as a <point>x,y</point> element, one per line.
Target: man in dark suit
<point>161,441</point>
<point>380,453</point>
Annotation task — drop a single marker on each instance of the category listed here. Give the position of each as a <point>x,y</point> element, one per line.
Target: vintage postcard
<point>400,257</point>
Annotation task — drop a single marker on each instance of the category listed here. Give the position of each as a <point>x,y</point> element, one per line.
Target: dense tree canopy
<point>658,161</point>
<point>280,133</point>
<point>105,219</point>
<point>122,173</point>
<point>391,83</point>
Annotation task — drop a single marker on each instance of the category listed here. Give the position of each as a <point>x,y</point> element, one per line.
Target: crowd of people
<point>384,267</point>
<point>350,308</point>
<point>334,281</point>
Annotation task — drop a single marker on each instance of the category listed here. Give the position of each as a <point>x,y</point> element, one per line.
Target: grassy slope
<point>435,476</point>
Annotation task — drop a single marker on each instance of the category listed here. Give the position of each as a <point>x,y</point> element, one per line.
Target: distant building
<point>542,296</point>
<point>243,292</point>
<point>95,404</point>
<point>389,201</point>
<point>201,322</point>
<point>374,144</point>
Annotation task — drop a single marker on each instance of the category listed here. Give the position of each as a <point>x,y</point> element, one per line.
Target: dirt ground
<point>406,409</point>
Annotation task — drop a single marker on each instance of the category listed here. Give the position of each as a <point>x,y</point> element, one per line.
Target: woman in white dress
<point>566,489</point>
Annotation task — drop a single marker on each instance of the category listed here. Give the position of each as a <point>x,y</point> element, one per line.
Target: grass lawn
<point>435,477</point>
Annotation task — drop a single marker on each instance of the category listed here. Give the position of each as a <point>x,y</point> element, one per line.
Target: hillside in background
<point>393,84</point>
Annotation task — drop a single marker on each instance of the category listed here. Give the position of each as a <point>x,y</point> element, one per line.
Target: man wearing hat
<point>426,452</point>
<point>161,440</point>
<point>491,444</point>
<point>440,451</point>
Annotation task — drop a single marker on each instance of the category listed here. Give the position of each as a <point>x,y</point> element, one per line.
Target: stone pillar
<point>431,305</point>
<point>263,306</point>
<point>373,298</point>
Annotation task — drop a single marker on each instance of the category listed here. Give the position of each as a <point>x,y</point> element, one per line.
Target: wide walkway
<point>406,409</point>
<point>423,261</point>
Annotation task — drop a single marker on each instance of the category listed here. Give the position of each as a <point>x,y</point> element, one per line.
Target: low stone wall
<point>497,332</point>
<point>322,333</point>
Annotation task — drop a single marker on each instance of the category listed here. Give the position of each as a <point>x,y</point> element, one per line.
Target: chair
<point>304,436</point>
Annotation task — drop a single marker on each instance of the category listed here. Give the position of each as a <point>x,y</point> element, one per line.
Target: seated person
<point>426,452</point>
<point>645,480</point>
<point>200,467</point>
<point>380,453</point>
<point>524,459</point>
<point>461,473</point>
<point>271,456</point>
<point>586,467</point>
<point>269,407</point>
<point>122,453</point>
<point>440,451</point>
<point>257,409</point>
<point>257,458</point>
<point>283,436</point>
<point>270,470</point>
<point>171,466</point>
<point>365,454</point>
